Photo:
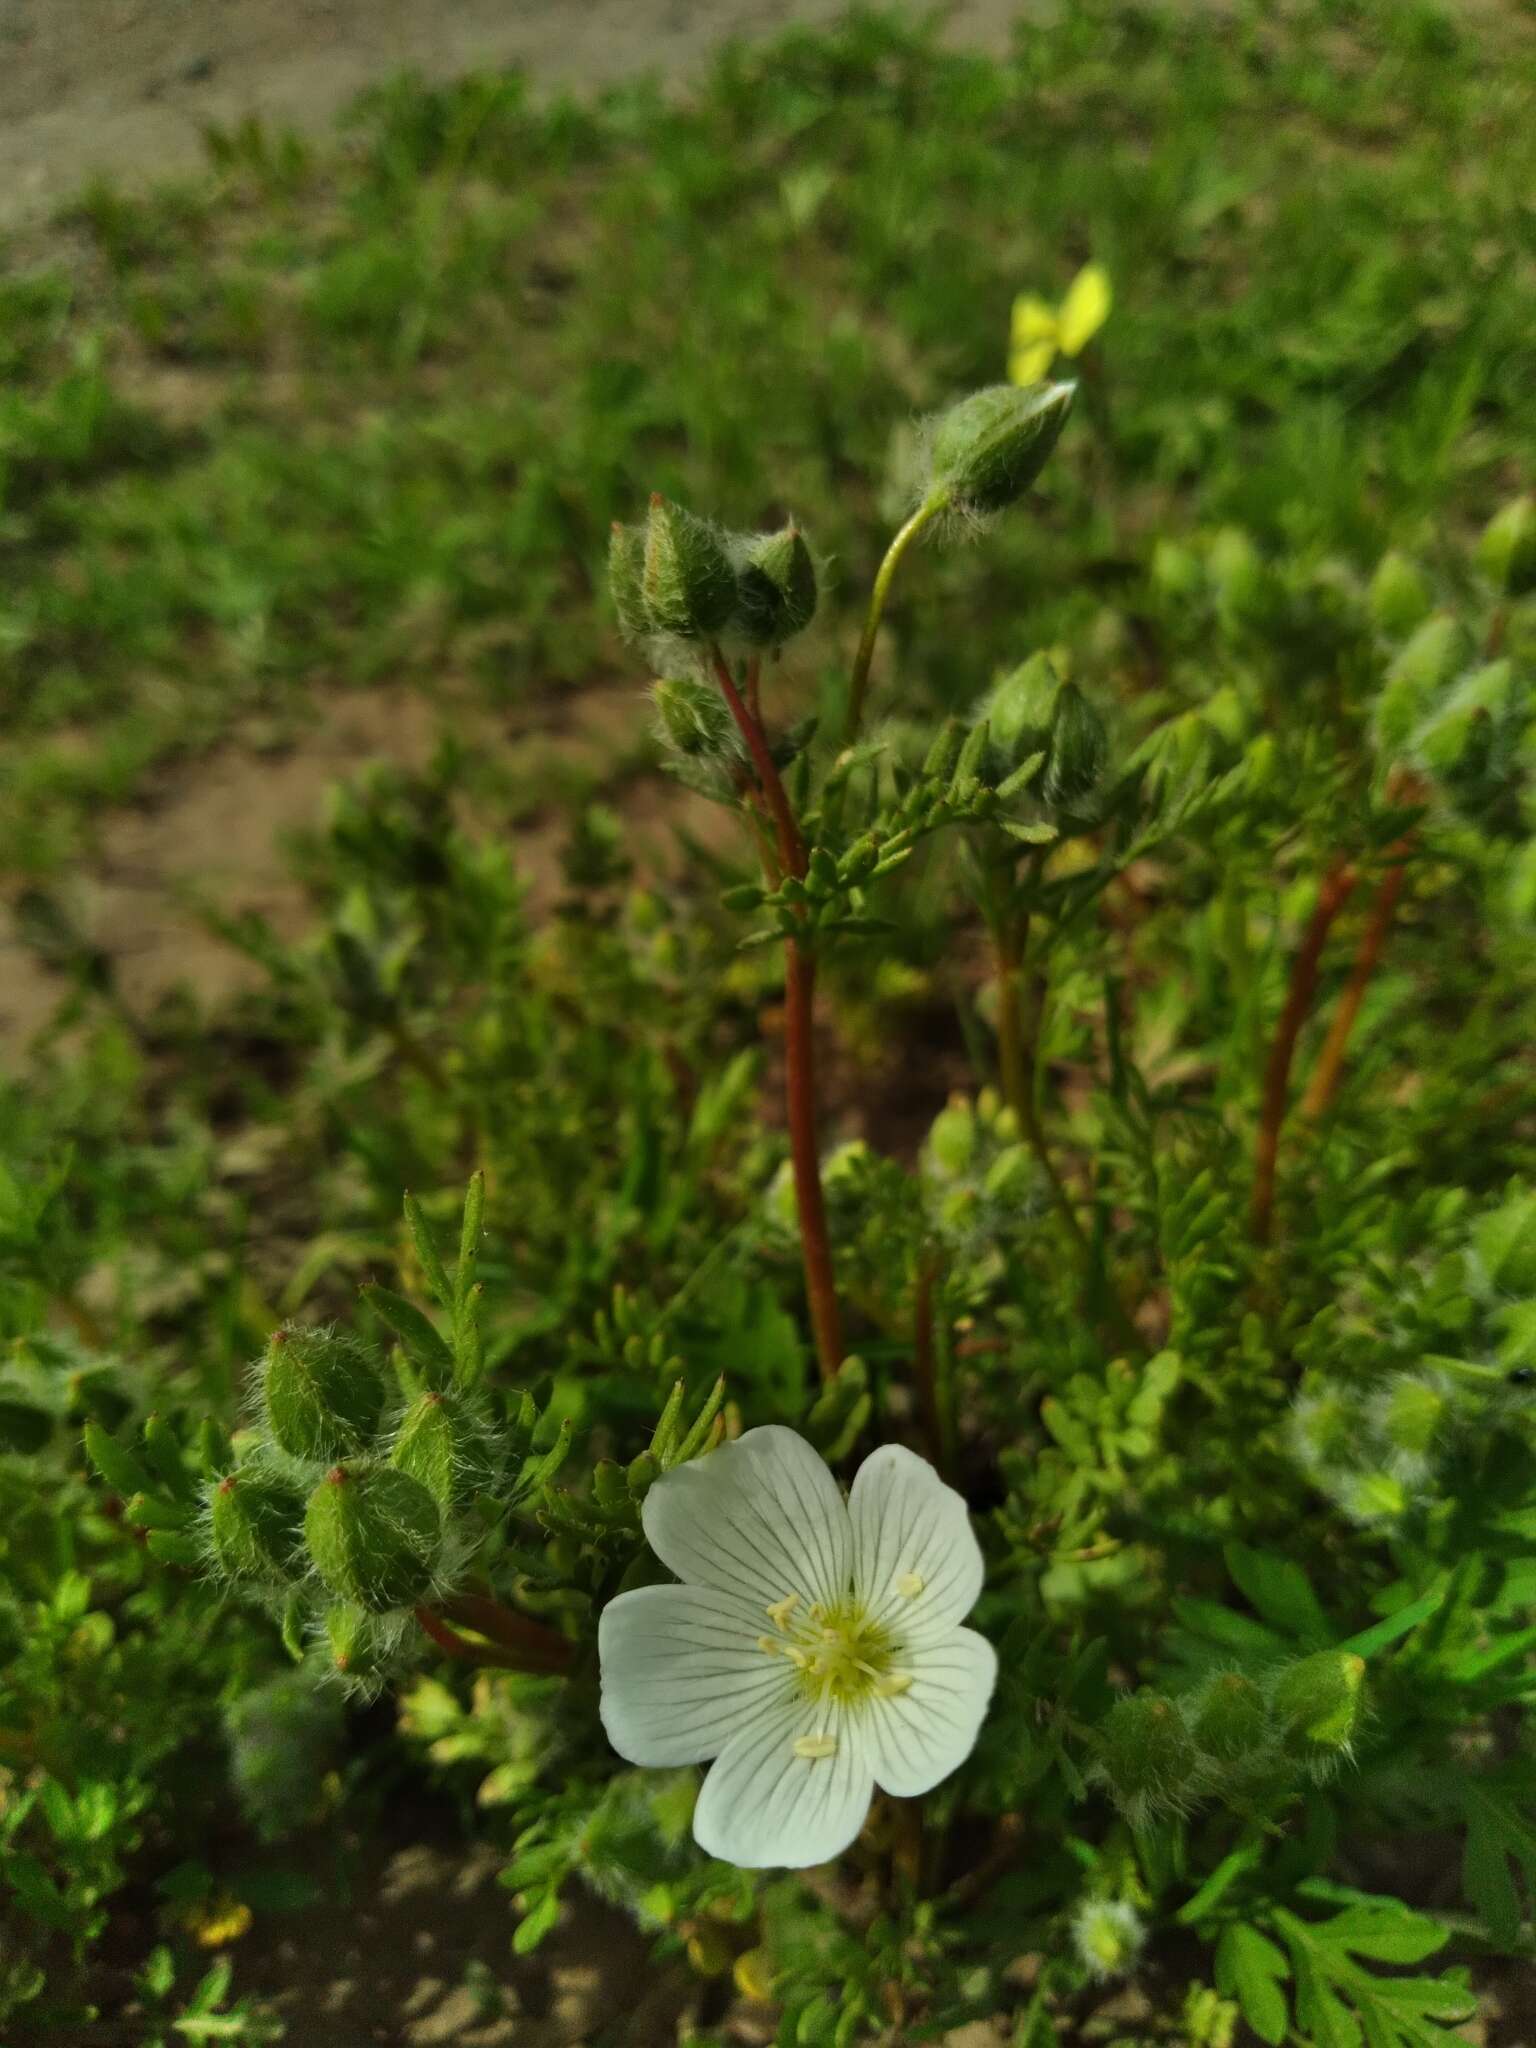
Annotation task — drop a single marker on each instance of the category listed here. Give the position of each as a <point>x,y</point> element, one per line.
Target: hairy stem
<point>1330,1061</point>
<point>1338,886</point>
<point>799,1047</point>
<point>858,680</point>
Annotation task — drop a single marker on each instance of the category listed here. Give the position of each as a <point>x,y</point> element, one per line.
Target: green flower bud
<point>1507,551</point>
<point>1372,1496</point>
<point>952,1138</point>
<point>1319,1704</point>
<point>1231,1724</point>
<point>360,1643</point>
<point>256,1521</point>
<point>687,584</point>
<point>1398,598</point>
<point>1147,1755</point>
<point>374,1533</point>
<point>989,448</point>
<point>444,1447</point>
<point>776,587</point>
<point>609,1486</point>
<point>321,1391</point>
<point>1022,710</point>
<point>642,1474</point>
<point>626,563</point>
<point>1010,1177</point>
<point>1424,664</point>
<point>1079,749</point>
<point>695,719</point>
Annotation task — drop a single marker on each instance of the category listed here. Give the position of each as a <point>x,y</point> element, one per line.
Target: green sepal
<point>374,1533</point>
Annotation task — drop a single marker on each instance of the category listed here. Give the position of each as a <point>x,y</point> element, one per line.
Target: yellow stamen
<point>909,1585</point>
<point>767,1643</point>
<point>894,1682</point>
<point>781,1610</point>
<point>797,1657</point>
<point>815,1746</point>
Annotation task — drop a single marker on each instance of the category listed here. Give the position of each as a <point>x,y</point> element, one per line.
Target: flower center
<point>839,1654</point>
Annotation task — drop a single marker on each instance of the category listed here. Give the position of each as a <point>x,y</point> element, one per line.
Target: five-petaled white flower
<point>814,1649</point>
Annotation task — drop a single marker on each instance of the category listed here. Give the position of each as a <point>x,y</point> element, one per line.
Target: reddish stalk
<point>923,1362</point>
<point>1330,1061</point>
<point>799,1048</point>
<point>517,1632</point>
<point>1338,886</point>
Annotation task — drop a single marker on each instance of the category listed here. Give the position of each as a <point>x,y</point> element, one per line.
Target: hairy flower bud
<point>443,1445</point>
<point>1409,1412</point>
<point>1079,749</point>
<point>374,1533</point>
<point>1318,1704</point>
<point>321,1391</point>
<point>1507,550</point>
<point>1147,1755</point>
<point>1231,1723</point>
<point>626,563</point>
<point>952,1138</point>
<point>256,1522</point>
<point>687,584</point>
<point>1398,598</point>
<point>1022,710</point>
<point>693,718</point>
<point>989,448</point>
<point>776,587</point>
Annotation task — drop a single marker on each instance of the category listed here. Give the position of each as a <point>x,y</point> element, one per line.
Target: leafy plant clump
<point>1081,1116</point>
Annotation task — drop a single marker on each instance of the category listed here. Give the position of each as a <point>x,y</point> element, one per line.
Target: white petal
<point>909,1526</point>
<point>682,1672</point>
<point>921,1735</point>
<point>763,1807</point>
<point>760,1518</point>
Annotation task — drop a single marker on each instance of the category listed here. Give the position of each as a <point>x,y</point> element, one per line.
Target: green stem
<point>858,681</point>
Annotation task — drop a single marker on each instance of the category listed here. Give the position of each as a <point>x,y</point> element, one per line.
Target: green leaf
<point>1279,1591</point>
<point>119,1467</point>
<point>420,1338</point>
<point>428,1253</point>
<point>536,1923</point>
<point>1500,1834</point>
<point>1252,1970</point>
<point>1377,1637</point>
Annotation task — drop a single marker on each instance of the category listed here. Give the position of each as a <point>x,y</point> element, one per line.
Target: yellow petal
<point>1085,308</point>
<point>1029,365</point>
<point>1033,320</point>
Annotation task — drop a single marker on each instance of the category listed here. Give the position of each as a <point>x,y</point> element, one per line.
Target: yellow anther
<point>781,1610</point>
<point>909,1585</point>
<point>797,1657</point>
<point>830,1635</point>
<point>815,1746</point>
<point>894,1682</point>
<point>767,1643</point>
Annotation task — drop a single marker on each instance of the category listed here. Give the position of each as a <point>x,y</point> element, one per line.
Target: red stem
<point>1330,1061</point>
<point>799,1048</point>
<point>1338,885</point>
<point>504,1625</point>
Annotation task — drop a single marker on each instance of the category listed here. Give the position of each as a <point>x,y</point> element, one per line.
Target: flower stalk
<point>858,680</point>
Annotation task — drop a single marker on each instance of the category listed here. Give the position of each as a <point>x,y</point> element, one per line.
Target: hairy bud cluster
<point>1231,1736</point>
<point>1034,715</point>
<point>682,578</point>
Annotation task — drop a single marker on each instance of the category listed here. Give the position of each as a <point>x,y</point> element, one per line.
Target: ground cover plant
<point>1073,1096</point>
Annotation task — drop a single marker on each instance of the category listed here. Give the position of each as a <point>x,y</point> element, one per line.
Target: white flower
<point>814,1649</point>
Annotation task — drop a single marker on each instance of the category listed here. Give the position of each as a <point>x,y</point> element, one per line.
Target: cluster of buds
<point>1373,1451</point>
<point>1035,716</point>
<point>1234,1736</point>
<point>680,578</point>
<point>979,1175</point>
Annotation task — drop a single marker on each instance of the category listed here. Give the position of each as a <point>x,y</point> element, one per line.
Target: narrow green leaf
<point>428,1253</point>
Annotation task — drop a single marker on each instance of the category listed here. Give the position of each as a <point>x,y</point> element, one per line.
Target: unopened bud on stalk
<point>359,1642</point>
<point>444,1446</point>
<point>776,587</point>
<point>1319,1704</point>
<point>321,1391</point>
<point>1147,1755</point>
<point>989,448</point>
<point>694,718</point>
<point>256,1521</point>
<point>952,1137</point>
<point>687,584</point>
<point>374,1533</point>
<point>1022,709</point>
<point>1507,551</point>
<point>1410,1413</point>
<point>1398,597</point>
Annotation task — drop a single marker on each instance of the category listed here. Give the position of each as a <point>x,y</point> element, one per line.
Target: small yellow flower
<point>216,1922</point>
<point>1040,332</point>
